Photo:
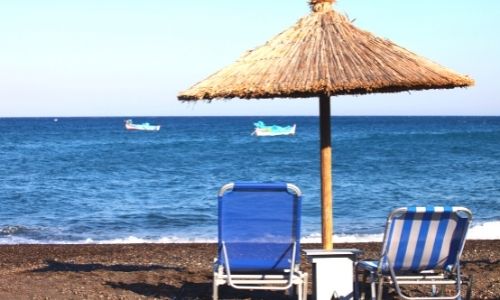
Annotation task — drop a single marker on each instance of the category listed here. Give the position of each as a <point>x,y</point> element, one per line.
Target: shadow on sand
<point>195,291</point>
<point>56,266</point>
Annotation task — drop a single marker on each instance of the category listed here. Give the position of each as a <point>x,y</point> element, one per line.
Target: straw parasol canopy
<point>324,55</point>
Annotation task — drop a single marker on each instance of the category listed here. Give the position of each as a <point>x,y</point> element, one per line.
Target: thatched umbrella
<point>324,55</point>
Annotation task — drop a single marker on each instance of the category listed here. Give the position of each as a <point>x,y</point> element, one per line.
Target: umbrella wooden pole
<point>326,173</point>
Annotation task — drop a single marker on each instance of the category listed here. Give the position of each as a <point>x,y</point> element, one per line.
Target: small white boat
<point>262,129</point>
<point>129,125</point>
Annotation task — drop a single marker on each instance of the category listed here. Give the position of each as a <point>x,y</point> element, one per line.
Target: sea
<point>88,180</point>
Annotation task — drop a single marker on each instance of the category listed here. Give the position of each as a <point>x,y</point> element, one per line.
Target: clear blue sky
<point>131,58</point>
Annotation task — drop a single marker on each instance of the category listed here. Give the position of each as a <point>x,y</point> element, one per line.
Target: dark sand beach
<point>168,271</point>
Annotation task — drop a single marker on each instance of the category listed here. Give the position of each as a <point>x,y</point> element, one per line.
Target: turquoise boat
<point>129,125</point>
<point>262,129</point>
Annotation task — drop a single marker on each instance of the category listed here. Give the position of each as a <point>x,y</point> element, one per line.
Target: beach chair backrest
<point>259,226</point>
<point>424,238</point>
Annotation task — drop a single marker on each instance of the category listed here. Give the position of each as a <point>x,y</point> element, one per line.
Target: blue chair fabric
<point>259,233</point>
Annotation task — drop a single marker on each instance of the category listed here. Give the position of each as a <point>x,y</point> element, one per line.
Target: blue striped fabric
<point>457,239</point>
<point>420,238</point>
<point>441,231</point>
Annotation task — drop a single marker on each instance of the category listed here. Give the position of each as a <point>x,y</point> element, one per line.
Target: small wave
<point>166,240</point>
<point>10,235</point>
<point>15,240</point>
<point>13,230</point>
<point>344,238</point>
<point>11,240</point>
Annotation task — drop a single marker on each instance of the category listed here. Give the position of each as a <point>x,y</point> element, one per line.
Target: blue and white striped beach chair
<point>422,246</point>
<point>259,238</point>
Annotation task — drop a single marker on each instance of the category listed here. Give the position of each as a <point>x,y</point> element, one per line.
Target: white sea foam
<point>136,240</point>
<point>480,231</point>
<point>485,231</point>
<point>344,238</point>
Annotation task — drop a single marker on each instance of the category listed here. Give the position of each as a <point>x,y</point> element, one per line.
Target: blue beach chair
<point>259,238</point>
<point>422,246</point>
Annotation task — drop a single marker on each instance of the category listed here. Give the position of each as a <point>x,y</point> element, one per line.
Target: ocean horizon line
<point>247,116</point>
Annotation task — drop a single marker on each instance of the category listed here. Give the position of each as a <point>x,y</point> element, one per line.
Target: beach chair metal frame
<point>440,273</point>
<point>285,280</point>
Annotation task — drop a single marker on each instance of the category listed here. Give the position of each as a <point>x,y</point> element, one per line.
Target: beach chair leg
<point>380,291</point>
<point>362,286</point>
<point>304,287</point>
<point>468,294</point>
<point>435,291</point>
<point>373,292</point>
<point>298,291</point>
<point>215,288</point>
<point>215,293</point>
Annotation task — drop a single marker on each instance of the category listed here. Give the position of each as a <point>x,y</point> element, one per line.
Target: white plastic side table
<point>333,272</point>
